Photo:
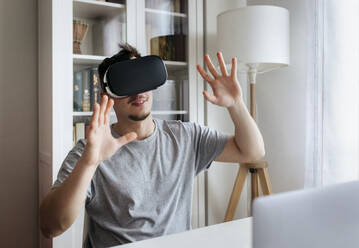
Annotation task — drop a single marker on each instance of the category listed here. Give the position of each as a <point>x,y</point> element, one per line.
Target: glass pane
<point>167,37</point>
<point>98,28</point>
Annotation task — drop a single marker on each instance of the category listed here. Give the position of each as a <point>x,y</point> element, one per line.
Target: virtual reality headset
<point>134,76</point>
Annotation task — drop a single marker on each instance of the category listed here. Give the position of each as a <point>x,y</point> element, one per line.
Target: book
<point>94,87</point>
<point>77,91</point>
<point>86,90</point>
<point>80,130</point>
<point>169,47</point>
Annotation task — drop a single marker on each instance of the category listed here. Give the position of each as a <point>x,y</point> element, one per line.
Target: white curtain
<point>332,89</point>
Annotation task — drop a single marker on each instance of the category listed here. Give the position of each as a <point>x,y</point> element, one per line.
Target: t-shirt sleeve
<point>208,145</point>
<point>69,164</point>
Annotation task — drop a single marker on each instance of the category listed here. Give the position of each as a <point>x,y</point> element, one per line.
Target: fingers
<point>234,68</point>
<point>222,64</point>
<point>95,115</point>
<point>108,111</point>
<point>127,138</point>
<point>103,105</point>
<point>211,98</point>
<point>210,66</point>
<point>204,74</point>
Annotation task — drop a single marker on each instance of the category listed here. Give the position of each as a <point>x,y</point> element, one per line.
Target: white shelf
<point>81,59</point>
<point>91,9</point>
<point>164,12</point>
<point>169,112</point>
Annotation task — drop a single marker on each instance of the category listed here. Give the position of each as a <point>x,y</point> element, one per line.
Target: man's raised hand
<point>226,89</point>
<point>101,145</point>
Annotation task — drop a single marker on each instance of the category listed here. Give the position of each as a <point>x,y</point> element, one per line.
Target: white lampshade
<point>257,35</point>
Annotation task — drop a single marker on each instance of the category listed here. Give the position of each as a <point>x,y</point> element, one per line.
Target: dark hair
<point>126,53</point>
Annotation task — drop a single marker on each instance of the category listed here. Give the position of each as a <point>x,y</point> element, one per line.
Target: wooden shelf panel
<point>91,9</point>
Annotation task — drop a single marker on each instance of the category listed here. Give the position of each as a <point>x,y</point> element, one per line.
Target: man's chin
<point>139,117</point>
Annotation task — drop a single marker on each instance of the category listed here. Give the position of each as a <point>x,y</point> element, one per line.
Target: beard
<point>139,117</point>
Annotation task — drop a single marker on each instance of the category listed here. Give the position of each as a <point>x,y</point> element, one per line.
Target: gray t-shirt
<point>145,189</point>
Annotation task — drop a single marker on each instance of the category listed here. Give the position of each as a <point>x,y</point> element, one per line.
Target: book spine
<point>80,130</point>
<point>95,87</point>
<point>77,91</point>
<point>86,90</point>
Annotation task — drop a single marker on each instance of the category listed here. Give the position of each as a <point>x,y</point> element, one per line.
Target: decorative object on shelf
<point>170,47</point>
<point>261,45</point>
<point>79,32</point>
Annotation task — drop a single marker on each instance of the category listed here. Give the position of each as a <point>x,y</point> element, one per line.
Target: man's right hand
<point>101,145</point>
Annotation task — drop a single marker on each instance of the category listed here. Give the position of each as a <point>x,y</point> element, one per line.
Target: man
<point>135,177</point>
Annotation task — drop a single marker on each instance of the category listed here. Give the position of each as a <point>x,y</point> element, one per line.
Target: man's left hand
<point>226,89</point>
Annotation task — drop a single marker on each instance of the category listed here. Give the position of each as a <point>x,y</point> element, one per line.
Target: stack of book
<point>86,89</point>
<point>80,131</point>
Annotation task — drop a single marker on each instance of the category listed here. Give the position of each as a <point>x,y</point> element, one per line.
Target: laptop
<point>322,218</point>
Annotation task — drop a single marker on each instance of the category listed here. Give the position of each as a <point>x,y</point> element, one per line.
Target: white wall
<point>221,176</point>
<point>280,99</point>
<point>18,124</point>
<point>281,105</point>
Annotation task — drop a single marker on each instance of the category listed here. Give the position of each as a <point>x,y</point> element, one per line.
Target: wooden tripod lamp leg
<point>265,181</point>
<point>236,193</point>
<point>254,186</point>
<point>254,183</point>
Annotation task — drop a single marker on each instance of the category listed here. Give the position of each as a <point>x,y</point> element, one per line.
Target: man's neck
<point>143,128</point>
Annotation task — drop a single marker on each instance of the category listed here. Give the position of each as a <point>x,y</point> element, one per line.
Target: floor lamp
<point>258,36</point>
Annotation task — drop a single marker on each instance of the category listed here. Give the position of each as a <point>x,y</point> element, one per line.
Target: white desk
<point>237,233</point>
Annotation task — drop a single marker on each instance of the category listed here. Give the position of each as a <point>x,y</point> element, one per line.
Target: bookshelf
<point>138,22</point>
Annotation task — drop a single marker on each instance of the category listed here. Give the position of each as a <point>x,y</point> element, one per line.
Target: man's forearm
<point>247,135</point>
<point>61,206</point>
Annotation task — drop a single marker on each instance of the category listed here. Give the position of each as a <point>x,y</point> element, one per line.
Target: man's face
<point>137,107</point>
